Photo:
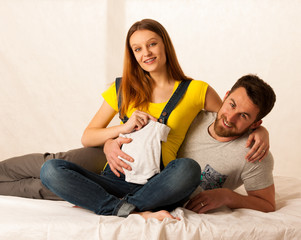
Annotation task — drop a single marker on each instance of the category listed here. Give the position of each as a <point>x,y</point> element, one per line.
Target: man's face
<point>237,115</point>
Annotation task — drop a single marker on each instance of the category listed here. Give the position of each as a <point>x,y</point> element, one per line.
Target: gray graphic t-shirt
<point>223,164</point>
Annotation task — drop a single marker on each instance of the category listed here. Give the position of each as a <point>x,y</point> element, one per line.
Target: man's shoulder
<point>204,119</point>
<point>199,126</point>
<point>267,162</point>
<point>207,115</point>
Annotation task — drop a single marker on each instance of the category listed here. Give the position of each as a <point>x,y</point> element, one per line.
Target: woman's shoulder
<point>197,86</point>
<point>195,94</point>
<point>110,96</point>
<point>110,91</point>
<point>198,82</point>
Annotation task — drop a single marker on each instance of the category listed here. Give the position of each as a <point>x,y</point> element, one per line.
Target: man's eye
<point>232,105</point>
<point>243,116</point>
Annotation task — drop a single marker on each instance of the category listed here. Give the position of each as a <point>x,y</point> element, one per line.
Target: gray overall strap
<point>169,107</point>
<point>117,86</point>
<point>173,101</point>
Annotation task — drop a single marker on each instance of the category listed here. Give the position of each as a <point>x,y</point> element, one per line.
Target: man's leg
<point>169,189</point>
<point>91,158</point>
<point>20,176</point>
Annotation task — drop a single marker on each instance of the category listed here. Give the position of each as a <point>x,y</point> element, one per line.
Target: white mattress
<point>22,218</point>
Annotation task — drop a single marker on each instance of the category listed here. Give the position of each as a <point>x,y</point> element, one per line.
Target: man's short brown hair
<point>260,93</point>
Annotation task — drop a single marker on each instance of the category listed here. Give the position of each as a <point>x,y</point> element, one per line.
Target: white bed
<point>22,218</point>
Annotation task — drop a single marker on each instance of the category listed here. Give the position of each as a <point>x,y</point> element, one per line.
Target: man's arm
<point>261,200</point>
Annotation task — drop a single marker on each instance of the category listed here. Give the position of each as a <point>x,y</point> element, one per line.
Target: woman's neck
<point>162,90</point>
<point>161,79</point>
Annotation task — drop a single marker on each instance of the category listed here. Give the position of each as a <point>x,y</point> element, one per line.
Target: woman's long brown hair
<point>137,85</point>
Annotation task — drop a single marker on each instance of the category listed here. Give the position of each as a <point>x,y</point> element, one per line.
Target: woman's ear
<point>256,124</point>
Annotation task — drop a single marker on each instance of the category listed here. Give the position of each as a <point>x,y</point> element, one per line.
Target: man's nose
<point>231,117</point>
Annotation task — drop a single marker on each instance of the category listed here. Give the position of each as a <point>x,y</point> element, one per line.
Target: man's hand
<point>208,200</point>
<point>260,200</point>
<point>112,150</point>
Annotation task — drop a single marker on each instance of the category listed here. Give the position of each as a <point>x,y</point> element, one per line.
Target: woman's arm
<point>261,145</point>
<point>96,133</point>
<point>212,101</point>
<point>112,147</point>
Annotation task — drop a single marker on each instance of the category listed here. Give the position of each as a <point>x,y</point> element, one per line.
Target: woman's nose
<point>147,52</point>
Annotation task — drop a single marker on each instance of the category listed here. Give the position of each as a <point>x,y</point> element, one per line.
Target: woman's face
<point>149,51</point>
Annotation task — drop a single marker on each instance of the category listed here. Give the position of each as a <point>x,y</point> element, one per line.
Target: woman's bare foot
<point>75,206</point>
<point>160,215</point>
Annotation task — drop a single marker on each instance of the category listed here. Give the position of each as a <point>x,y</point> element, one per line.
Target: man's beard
<point>221,131</point>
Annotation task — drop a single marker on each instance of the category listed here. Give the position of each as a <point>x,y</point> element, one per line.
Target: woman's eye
<point>153,44</point>
<point>137,49</point>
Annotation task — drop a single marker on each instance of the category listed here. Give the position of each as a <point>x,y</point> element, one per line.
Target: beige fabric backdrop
<point>56,57</point>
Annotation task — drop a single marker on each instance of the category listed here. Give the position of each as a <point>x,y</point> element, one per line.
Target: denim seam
<point>157,179</point>
<point>186,192</point>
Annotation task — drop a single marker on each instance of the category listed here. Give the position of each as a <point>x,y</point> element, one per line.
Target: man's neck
<point>213,134</point>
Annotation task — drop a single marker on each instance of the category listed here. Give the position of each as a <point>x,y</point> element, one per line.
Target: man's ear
<point>256,124</point>
<point>227,94</point>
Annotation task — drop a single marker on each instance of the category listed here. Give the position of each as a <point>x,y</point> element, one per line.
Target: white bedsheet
<point>22,218</point>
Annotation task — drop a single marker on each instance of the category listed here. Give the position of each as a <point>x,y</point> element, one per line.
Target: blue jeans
<point>107,194</point>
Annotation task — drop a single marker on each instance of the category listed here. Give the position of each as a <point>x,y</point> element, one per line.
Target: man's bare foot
<point>160,215</point>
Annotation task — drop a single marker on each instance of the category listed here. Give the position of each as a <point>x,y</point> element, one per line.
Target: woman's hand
<point>112,147</point>
<point>112,150</point>
<point>261,145</point>
<point>137,121</point>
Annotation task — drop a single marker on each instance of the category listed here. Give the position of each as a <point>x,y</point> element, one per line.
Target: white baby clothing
<point>145,149</point>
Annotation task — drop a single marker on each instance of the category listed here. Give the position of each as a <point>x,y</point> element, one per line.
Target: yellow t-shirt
<point>189,106</point>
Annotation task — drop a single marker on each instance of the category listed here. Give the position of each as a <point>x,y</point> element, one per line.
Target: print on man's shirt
<point>211,179</point>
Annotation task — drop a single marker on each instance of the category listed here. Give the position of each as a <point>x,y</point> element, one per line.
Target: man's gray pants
<point>20,176</point>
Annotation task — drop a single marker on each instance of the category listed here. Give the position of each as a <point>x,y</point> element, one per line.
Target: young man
<point>217,143</point>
